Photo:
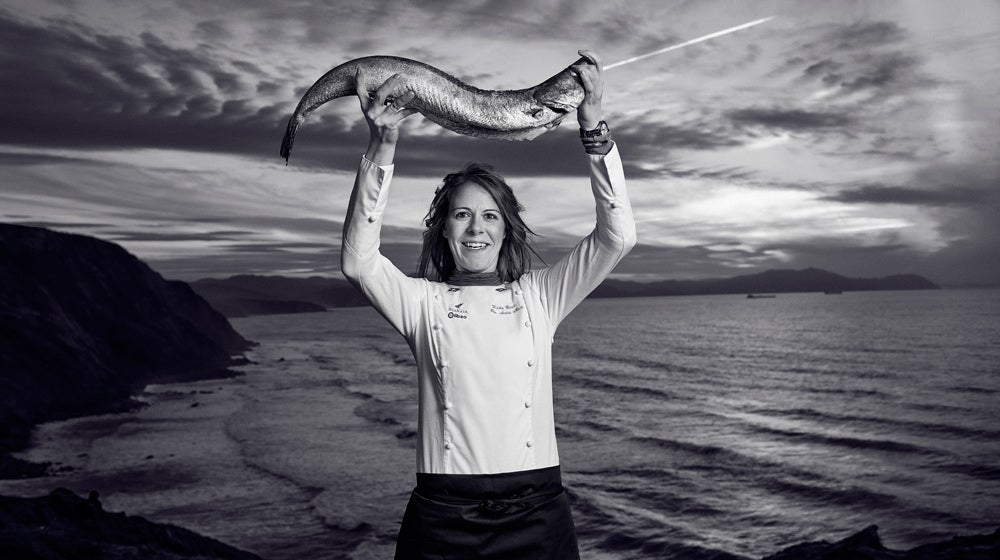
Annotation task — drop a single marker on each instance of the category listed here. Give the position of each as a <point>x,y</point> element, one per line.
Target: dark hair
<point>516,250</point>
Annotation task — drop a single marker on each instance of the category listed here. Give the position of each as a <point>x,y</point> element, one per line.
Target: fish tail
<point>286,143</point>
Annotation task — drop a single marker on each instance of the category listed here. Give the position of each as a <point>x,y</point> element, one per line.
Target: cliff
<point>83,324</point>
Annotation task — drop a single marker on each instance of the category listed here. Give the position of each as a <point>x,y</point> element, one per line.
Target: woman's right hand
<point>385,108</point>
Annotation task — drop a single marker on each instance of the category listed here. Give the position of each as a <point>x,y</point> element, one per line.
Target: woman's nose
<point>475,226</point>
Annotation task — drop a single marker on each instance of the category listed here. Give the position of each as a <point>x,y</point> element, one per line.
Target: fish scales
<point>447,101</point>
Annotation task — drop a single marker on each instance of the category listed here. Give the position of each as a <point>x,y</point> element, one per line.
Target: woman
<point>480,325</point>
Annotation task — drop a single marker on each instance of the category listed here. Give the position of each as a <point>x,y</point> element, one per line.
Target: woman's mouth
<point>474,245</point>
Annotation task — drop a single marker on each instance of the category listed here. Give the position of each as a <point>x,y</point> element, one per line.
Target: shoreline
<point>208,401</point>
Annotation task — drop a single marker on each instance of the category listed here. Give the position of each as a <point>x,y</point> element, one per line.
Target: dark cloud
<point>59,226</point>
<point>795,120</point>
<point>864,35</point>
<point>891,194</point>
<point>220,235</point>
<point>66,86</point>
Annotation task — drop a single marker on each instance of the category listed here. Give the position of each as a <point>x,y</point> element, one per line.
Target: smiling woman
<point>480,324</point>
<point>468,225</point>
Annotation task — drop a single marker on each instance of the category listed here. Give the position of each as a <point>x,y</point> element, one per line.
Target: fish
<point>522,114</point>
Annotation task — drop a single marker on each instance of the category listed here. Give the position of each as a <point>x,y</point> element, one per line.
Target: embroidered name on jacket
<point>505,309</point>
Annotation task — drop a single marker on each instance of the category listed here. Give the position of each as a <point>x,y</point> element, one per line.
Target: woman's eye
<point>492,216</point>
<point>461,214</point>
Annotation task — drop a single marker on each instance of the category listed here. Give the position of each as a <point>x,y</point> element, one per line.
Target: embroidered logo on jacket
<point>457,312</point>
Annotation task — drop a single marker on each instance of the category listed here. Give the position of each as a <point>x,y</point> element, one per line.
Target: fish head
<point>557,97</point>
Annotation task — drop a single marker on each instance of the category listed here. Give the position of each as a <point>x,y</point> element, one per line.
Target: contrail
<point>691,42</point>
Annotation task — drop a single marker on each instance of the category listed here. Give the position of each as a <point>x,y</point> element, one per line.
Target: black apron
<point>518,515</point>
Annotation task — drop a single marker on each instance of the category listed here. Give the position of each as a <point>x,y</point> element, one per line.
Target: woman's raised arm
<point>389,290</point>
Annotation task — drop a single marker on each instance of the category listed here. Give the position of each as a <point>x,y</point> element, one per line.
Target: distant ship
<point>759,296</point>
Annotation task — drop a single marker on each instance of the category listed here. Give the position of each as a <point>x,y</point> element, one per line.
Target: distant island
<point>240,296</point>
<point>770,281</point>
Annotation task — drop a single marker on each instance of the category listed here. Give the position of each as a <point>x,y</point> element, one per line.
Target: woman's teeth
<point>474,245</point>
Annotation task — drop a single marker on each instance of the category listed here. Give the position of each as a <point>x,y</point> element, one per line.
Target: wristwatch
<point>601,130</point>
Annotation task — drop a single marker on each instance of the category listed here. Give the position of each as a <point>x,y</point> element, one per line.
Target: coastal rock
<point>84,324</point>
<point>65,526</point>
<point>866,545</point>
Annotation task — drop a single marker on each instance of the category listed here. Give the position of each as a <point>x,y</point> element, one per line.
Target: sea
<point>689,427</point>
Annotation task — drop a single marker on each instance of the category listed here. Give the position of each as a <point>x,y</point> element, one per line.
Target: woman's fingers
<point>384,107</point>
<point>390,90</point>
<point>360,87</point>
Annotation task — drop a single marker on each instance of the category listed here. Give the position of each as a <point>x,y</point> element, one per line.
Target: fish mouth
<point>554,123</point>
<point>559,108</point>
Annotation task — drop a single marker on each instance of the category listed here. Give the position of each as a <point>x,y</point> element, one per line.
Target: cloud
<point>889,194</point>
<point>68,86</point>
<point>795,120</point>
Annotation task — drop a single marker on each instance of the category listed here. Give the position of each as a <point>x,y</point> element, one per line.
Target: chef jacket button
<point>372,218</point>
<point>529,443</point>
<point>531,363</point>
<point>447,404</point>
<point>447,445</point>
<point>517,292</point>
<point>437,297</point>
<point>527,404</point>
<point>437,326</point>
<point>614,205</point>
<point>527,324</point>
<point>444,363</point>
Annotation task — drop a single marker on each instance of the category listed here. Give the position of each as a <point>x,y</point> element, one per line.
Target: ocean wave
<point>617,525</point>
<point>600,385</point>
<point>839,495</point>
<point>964,432</point>
<point>844,441</point>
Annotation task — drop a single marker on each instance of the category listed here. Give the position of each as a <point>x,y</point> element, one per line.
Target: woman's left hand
<point>589,113</point>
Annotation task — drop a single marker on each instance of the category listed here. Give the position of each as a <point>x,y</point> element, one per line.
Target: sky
<point>857,137</point>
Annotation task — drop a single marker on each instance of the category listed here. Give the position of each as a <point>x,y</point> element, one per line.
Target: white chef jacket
<point>484,353</point>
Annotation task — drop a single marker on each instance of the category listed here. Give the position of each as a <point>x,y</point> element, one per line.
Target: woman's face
<point>475,229</point>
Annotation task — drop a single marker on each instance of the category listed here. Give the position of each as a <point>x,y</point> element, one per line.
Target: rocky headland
<point>84,324</point>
